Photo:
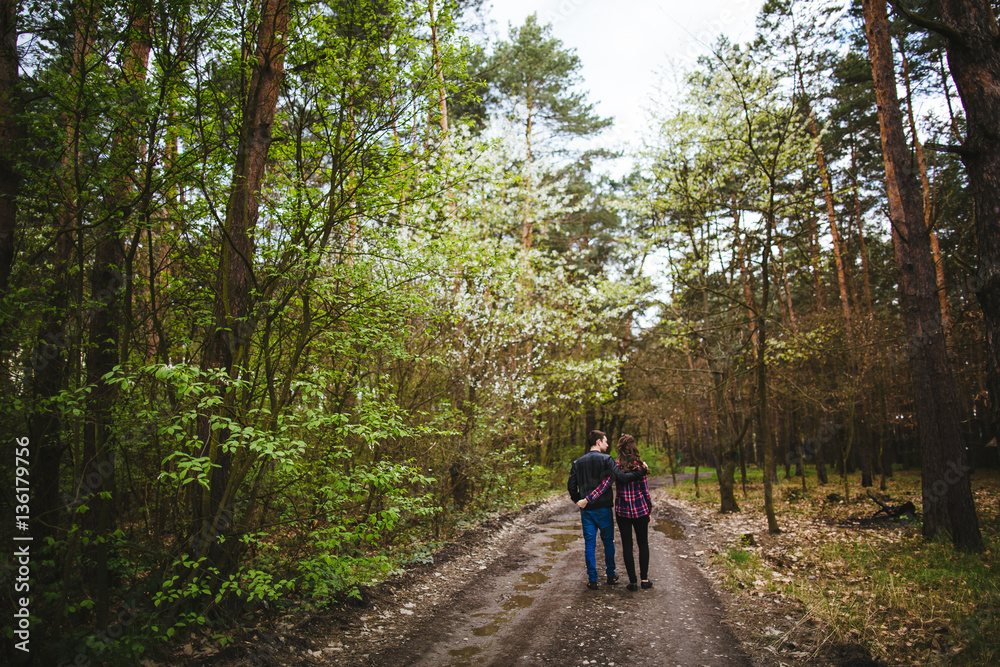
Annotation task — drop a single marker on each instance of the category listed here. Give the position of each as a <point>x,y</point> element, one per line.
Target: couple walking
<point>590,488</point>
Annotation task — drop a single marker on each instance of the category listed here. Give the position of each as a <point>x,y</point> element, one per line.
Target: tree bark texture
<point>928,201</point>
<point>762,385</point>
<point>947,495</point>
<point>234,281</point>
<point>51,360</point>
<point>9,180</point>
<point>106,289</point>
<point>838,243</point>
<point>973,46</point>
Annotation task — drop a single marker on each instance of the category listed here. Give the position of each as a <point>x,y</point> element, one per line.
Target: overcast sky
<point>624,45</point>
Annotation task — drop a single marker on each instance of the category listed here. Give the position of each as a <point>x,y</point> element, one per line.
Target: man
<point>587,473</point>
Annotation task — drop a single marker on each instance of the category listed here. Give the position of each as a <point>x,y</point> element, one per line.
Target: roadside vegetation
<point>877,583</point>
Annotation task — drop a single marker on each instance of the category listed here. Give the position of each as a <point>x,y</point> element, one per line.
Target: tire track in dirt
<point>527,603</point>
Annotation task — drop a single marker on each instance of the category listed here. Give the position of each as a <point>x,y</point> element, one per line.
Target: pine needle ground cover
<point>837,579</point>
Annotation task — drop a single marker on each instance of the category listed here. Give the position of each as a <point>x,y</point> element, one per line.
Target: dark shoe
<point>633,586</point>
<point>592,585</point>
<point>647,584</point>
<point>612,579</point>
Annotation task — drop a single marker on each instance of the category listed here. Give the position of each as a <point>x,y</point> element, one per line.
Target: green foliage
<point>536,74</point>
<point>739,557</point>
<point>657,459</point>
<point>428,320</point>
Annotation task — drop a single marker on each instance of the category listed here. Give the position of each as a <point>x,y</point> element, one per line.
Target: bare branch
<point>960,151</point>
<point>937,27</point>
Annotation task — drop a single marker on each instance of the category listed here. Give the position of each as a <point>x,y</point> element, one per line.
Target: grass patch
<point>910,601</point>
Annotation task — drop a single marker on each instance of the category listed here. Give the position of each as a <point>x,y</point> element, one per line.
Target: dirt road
<point>520,597</point>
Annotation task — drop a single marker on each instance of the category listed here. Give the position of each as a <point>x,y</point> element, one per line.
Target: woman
<point>632,508</point>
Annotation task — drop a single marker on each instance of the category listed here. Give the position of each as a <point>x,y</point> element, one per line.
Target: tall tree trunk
<point>748,296</point>
<point>947,494</point>
<point>789,306</point>
<point>973,45</point>
<point>106,288</point>
<point>839,251</point>
<point>927,200</point>
<point>728,445</point>
<point>9,132</point>
<point>438,70</point>
<point>859,226</point>
<point>51,358</point>
<point>527,228</point>
<point>816,264</point>
<point>762,385</point>
<point>671,452</point>
<point>231,337</point>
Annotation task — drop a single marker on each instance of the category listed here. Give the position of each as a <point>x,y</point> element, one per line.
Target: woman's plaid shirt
<point>632,500</point>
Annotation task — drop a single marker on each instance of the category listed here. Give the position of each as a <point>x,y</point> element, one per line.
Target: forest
<point>293,291</point>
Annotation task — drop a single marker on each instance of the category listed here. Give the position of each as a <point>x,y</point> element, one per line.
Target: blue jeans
<point>593,520</point>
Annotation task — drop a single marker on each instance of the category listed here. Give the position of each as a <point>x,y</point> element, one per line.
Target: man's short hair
<point>594,437</point>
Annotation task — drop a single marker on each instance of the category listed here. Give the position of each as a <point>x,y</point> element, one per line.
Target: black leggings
<point>641,527</point>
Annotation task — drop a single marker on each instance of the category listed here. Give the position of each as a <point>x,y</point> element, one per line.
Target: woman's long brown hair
<point>628,453</point>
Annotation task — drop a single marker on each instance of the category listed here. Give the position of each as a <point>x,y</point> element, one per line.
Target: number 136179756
<point>22,486</point>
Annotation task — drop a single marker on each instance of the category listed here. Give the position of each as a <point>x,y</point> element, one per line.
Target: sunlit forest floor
<point>853,581</point>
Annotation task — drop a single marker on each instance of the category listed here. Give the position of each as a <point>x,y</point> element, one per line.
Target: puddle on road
<point>518,602</point>
<point>536,578</point>
<point>560,542</point>
<point>533,580</point>
<point>512,604</point>
<point>670,528</point>
<point>465,656</point>
<point>566,526</point>
<point>490,628</point>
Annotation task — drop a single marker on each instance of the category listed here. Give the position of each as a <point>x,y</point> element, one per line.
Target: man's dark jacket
<point>590,470</point>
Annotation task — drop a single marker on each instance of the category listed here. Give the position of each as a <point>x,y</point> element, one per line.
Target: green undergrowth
<point>909,600</point>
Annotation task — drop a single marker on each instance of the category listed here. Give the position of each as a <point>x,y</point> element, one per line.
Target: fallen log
<point>891,511</point>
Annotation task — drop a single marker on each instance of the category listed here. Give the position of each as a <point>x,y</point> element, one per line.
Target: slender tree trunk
<point>838,244</point>
<point>527,230</point>
<point>106,288</point>
<point>438,70</point>
<point>671,452</point>
<point>762,386</point>
<point>865,451</point>
<point>947,495</point>
<point>9,133</point>
<point>859,225</point>
<point>973,45</point>
<point>230,341</point>
<point>816,264</point>
<point>748,295</point>
<point>743,464</point>
<point>789,307</point>
<point>845,450</point>
<point>51,358</point>
<point>928,201</point>
<point>728,446</point>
